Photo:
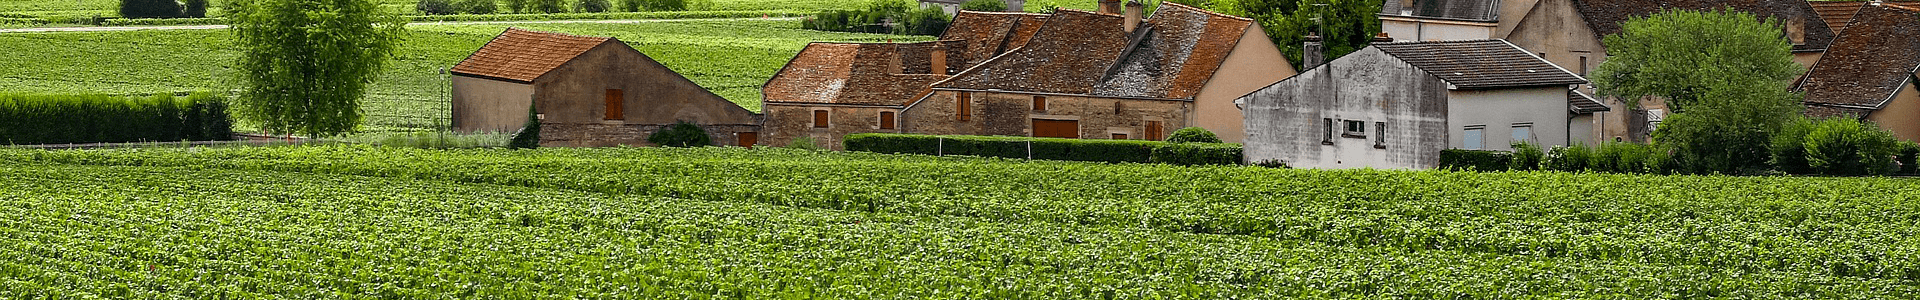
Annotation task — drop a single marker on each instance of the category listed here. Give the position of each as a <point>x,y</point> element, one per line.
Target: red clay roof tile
<point>1836,13</point>
<point>858,74</point>
<point>524,55</point>
<point>1870,61</point>
<point>1605,16</point>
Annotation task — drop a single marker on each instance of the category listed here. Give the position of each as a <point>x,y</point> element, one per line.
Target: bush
<point>1576,158</point>
<point>142,9</point>
<point>1196,154</point>
<point>435,7</point>
<point>1193,135</point>
<point>591,6</point>
<point>926,21</point>
<point>1475,160</point>
<point>663,5</point>
<point>1849,147</point>
<point>547,6</point>
<point>517,6</point>
<point>194,9</point>
<point>1909,158</point>
<point>1114,151</point>
<point>803,143</point>
<point>681,134</point>
<point>478,7</point>
<point>1789,147</point>
<point>1618,157</point>
<point>529,135</point>
<point>61,119</point>
<point>984,5</point>
<point>1526,157</point>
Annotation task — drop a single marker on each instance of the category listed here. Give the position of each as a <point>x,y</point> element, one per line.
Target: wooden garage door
<point>1056,128</point>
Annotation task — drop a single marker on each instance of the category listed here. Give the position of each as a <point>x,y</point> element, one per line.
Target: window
<point>1040,103</point>
<point>1654,116</point>
<point>1543,55</point>
<point>615,99</point>
<point>1583,65</point>
<point>1473,138</point>
<point>886,120</point>
<point>1380,135</point>
<point>963,106</point>
<point>820,119</point>
<point>1522,132</point>
<point>1328,138</point>
<point>1119,136</point>
<point>1155,131</point>
<point>1355,129</point>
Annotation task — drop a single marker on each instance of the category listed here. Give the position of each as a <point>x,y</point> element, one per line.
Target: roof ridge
<point>1214,13</point>
<point>1898,6</point>
<point>998,13</point>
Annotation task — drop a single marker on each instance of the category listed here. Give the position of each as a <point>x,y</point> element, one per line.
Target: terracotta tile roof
<point>991,33</point>
<point>1580,103</point>
<point>524,55</point>
<point>1177,54</point>
<point>857,74</point>
<point>1068,55</point>
<point>1605,16</point>
<point>1478,64</point>
<point>1467,10</point>
<point>1836,13</point>
<point>1870,61</point>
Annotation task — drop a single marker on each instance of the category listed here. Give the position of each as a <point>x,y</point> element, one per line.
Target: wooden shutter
<point>615,100</point>
<point>886,120</point>
<point>1119,136</point>
<point>747,139</point>
<point>820,119</point>
<point>963,106</point>
<point>1040,103</point>
<point>1155,131</point>
<point>1056,128</point>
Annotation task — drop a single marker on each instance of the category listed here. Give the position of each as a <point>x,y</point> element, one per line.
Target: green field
<point>109,8</point>
<point>731,57</point>
<point>388,223</point>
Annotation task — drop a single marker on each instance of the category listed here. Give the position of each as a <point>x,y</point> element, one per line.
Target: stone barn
<point>590,91</point>
<point>1397,105</point>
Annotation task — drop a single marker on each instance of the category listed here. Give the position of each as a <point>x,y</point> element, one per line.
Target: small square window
<point>1472,139</point>
<point>819,119</point>
<point>1040,103</point>
<point>1355,129</point>
<point>886,120</point>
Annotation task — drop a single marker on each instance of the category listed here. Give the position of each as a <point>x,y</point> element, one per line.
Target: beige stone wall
<point>485,105</point>
<point>612,134</point>
<point>1902,115</point>
<point>1254,63</point>
<point>1012,114</point>
<point>788,121</point>
<point>573,97</point>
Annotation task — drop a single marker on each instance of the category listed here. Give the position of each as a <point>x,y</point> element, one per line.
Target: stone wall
<point>614,134</point>
<point>788,121</point>
<point>1012,114</point>
<point>1301,121</point>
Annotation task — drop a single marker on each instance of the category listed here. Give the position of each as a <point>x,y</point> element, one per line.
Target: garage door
<point>1056,128</point>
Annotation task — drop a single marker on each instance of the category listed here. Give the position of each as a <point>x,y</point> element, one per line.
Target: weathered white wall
<point>484,105</point>
<point>1584,130</point>
<point>1286,121</point>
<point>1407,29</point>
<point>1254,63</point>
<point>1545,108</point>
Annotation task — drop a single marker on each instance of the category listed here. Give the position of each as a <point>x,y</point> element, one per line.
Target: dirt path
<point>208,27</point>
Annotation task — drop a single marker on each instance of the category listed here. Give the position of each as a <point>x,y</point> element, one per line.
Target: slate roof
<point>1069,55</point>
<point>1605,16</point>
<point>1176,56</point>
<point>523,55</point>
<point>856,74</point>
<point>1173,54</point>
<point>1480,64</point>
<point>1580,103</point>
<point>1870,61</point>
<point>1468,10</point>
<point>991,33</point>
<point>1836,13</point>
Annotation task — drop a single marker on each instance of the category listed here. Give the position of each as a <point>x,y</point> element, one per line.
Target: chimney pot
<point>1109,6</point>
<point>1134,9</point>
<point>1313,54</point>
<point>939,58</point>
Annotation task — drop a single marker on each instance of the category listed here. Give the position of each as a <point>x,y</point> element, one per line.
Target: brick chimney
<point>1134,9</point>
<point>1109,6</point>
<point>939,58</point>
<point>894,66</point>
<point>1313,54</point>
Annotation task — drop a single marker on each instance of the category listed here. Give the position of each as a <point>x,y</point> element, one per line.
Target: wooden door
<point>747,139</point>
<point>616,99</point>
<point>1056,128</point>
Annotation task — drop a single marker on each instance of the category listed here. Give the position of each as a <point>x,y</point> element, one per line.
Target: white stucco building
<point>953,6</point>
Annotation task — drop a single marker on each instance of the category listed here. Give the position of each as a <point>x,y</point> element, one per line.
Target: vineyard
<point>388,223</point>
<point>412,93</point>
<point>69,9</point>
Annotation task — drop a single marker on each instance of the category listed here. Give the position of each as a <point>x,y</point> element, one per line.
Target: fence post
<point>1029,149</point>
<point>941,149</point>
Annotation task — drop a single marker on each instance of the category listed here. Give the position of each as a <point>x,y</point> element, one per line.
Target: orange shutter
<point>1155,131</point>
<point>819,119</point>
<point>886,120</point>
<point>1056,128</point>
<point>963,106</point>
<point>615,100</point>
<point>1040,103</point>
<point>747,139</point>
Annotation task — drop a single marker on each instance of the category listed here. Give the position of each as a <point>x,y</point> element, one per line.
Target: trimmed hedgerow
<point>1195,154</point>
<point>1475,160</point>
<point>1008,147</point>
<point>60,119</point>
<point>681,134</point>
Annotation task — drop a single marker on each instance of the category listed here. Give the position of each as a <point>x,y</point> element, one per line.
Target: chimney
<point>1382,38</point>
<point>1134,9</point>
<point>939,58</point>
<point>1313,54</point>
<point>1109,6</point>
<point>894,66</point>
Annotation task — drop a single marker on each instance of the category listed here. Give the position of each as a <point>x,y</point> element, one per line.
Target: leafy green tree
<point>305,64</point>
<point>592,6</point>
<point>138,9</point>
<point>435,7</point>
<point>1724,74</point>
<point>194,9</point>
<point>529,135</point>
<point>681,134</point>
<point>548,6</point>
<point>517,6</point>
<point>984,5</point>
<point>1193,135</point>
<point>1349,24</point>
<point>478,7</point>
<point>925,21</point>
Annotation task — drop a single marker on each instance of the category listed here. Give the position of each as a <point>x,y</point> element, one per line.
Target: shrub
<point>591,6</point>
<point>1008,147</point>
<point>60,119</point>
<point>925,21</point>
<point>517,6</point>
<point>478,7</point>
<point>631,5</point>
<point>547,6</point>
<point>195,9</point>
<point>1271,163</point>
<point>1909,158</point>
<point>984,5</point>
<point>803,143</point>
<point>1526,157</point>
<point>1847,146</point>
<point>1193,135</point>
<point>1475,160</point>
<point>435,7</point>
<point>529,135</point>
<point>663,5</point>
<point>681,134</point>
<point>1195,154</point>
<point>142,9</point>
<point>1789,147</point>
<point>1576,158</point>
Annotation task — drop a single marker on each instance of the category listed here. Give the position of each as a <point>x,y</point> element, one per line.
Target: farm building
<point>590,91</point>
<point>1869,72</point>
<point>953,6</point>
<point>1397,105</point>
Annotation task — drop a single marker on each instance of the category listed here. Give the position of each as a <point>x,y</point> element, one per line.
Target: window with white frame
<point>1522,132</point>
<point>1355,129</point>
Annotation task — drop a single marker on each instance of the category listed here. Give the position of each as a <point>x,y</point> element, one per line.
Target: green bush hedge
<point>1114,151</point>
<point>1195,154</point>
<point>1475,160</point>
<point>60,119</point>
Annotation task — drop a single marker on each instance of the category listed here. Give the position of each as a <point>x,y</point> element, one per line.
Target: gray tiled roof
<point>1480,64</point>
<point>1471,10</point>
<point>1871,61</point>
<point>1580,103</point>
<point>1605,16</point>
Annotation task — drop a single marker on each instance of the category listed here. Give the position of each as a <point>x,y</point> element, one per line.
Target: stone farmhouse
<point>1569,33</point>
<point>591,91</point>
<point>953,6</point>
<point>1869,72</point>
<point>1110,74</point>
<point>1397,105</point>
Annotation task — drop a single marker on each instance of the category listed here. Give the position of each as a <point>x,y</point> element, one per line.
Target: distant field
<point>730,57</point>
<point>108,8</point>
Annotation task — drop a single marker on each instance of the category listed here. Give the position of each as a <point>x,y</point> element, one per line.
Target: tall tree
<point>1348,25</point>
<point>306,63</point>
<point>1724,74</point>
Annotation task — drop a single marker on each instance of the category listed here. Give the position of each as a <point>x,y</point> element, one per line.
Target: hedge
<point>1114,151</point>
<point>1194,154</point>
<point>1475,160</point>
<point>60,119</point>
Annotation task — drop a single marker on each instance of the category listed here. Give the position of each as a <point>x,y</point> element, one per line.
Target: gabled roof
<point>1870,61</point>
<point>523,55</point>
<point>1580,103</point>
<point>1466,10</point>
<point>1836,13</point>
<point>1479,64</point>
<point>991,33</point>
<point>1068,55</point>
<point>857,74</point>
<point>1176,56</point>
<point>1605,16</point>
